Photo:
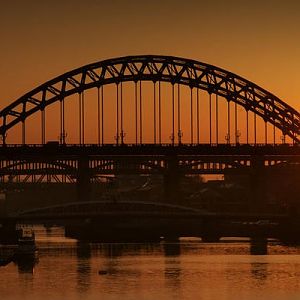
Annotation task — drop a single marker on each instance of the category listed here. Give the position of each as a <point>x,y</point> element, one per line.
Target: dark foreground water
<point>190,269</point>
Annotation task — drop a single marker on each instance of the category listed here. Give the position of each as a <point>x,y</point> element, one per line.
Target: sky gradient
<point>258,40</point>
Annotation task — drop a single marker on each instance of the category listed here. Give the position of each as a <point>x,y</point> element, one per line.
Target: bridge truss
<point>67,163</point>
<point>152,115</point>
<point>235,92</point>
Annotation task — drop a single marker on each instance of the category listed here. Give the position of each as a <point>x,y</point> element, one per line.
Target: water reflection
<point>83,250</point>
<point>48,229</point>
<point>83,267</point>
<point>26,264</point>
<point>259,272</point>
<point>114,250</point>
<point>122,249</point>
<point>187,269</point>
<point>172,267</point>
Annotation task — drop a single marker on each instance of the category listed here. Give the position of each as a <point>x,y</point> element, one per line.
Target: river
<point>189,269</point>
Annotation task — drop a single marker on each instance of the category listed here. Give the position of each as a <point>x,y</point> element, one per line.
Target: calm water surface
<point>190,269</point>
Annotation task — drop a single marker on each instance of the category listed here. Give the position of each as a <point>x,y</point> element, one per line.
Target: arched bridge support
<point>157,69</point>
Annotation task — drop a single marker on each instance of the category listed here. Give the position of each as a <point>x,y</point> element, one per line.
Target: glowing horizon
<point>50,38</point>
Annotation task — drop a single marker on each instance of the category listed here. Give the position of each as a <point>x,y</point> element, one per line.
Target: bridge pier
<point>257,184</point>
<point>171,182</point>
<point>258,245</point>
<point>83,179</point>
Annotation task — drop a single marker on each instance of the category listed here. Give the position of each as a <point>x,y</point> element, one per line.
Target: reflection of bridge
<point>148,115</point>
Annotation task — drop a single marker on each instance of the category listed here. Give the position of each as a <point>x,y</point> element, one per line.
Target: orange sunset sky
<point>258,40</point>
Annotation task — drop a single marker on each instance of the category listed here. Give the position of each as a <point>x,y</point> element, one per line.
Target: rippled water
<point>190,269</point>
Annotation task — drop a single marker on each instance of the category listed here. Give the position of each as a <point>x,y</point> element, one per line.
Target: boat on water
<point>23,251</point>
<point>26,243</point>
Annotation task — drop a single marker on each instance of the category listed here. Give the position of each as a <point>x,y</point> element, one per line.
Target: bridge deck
<point>152,149</point>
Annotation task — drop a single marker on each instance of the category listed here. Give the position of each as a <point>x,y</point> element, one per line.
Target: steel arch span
<point>153,68</point>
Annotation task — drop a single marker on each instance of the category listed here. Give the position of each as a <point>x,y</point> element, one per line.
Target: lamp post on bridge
<point>172,138</point>
<point>62,138</point>
<point>122,136</point>
<point>237,137</point>
<point>119,137</point>
<point>180,135</point>
<point>227,138</point>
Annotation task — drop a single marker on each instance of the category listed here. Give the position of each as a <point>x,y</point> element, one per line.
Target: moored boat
<point>26,243</point>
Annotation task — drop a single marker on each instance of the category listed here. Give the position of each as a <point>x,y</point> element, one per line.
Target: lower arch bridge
<point>106,208</point>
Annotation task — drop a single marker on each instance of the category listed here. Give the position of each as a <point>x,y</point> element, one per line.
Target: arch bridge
<point>146,115</point>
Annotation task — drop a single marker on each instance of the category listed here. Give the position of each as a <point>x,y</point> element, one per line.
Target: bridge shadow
<point>259,272</point>
<point>83,267</point>
<point>172,271</point>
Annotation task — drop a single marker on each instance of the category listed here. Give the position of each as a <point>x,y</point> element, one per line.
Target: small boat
<point>26,243</point>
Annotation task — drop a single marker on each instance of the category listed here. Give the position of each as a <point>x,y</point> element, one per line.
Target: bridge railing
<point>166,145</point>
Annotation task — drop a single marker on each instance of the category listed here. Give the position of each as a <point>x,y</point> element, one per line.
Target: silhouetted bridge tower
<point>147,115</point>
